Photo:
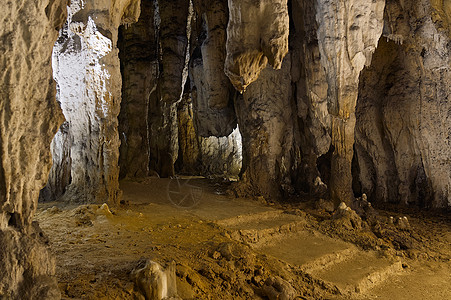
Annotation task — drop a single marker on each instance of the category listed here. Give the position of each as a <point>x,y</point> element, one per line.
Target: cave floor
<point>226,247</point>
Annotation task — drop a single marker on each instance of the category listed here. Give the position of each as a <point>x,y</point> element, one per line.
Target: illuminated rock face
<point>29,117</point>
<point>86,69</point>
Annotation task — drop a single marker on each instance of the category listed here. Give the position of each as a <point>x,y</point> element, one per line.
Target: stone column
<point>30,117</point>
<point>348,32</point>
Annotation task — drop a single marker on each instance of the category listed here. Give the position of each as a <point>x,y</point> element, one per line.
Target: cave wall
<point>403,112</point>
<point>161,123</point>
<point>30,117</point>
<point>210,155</point>
<point>316,112</point>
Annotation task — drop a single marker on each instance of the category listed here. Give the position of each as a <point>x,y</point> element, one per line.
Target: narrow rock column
<point>30,117</point>
<point>257,33</point>
<point>268,126</point>
<point>348,33</point>
<point>174,32</point>
<point>310,81</point>
<point>138,46</point>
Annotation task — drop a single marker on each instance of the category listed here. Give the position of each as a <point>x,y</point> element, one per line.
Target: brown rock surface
<point>403,113</point>
<point>29,118</point>
<point>268,127</point>
<point>348,32</point>
<point>257,33</point>
<point>309,79</point>
<point>174,33</point>
<point>211,90</point>
<point>138,45</point>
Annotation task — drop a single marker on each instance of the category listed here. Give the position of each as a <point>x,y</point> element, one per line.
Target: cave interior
<point>225,149</point>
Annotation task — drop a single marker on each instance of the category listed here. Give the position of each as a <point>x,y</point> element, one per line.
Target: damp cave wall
<point>307,82</point>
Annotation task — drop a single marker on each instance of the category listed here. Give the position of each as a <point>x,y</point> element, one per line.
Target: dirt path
<point>228,248</point>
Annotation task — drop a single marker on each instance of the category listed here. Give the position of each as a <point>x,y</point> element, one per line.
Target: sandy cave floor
<point>227,248</point>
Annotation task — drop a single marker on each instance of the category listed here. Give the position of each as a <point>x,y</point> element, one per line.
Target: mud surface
<point>97,248</point>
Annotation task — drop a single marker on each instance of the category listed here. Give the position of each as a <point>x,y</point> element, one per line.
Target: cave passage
<point>225,149</point>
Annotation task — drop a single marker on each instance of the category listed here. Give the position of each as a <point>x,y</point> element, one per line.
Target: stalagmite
<point>343,105</point>
<point>348,32</point>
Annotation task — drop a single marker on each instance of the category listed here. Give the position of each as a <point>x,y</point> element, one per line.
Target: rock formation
<point>211,90</point>
<point>257,33</point>
<point>154,282</point>
<point>403,112</point>
<point>306,81</point>
<point>266,116</point>
<point>348,32</point>
<point>208,156</point>
<point>30,117</point>
<point>311,93</point>
<point>138,52</point>
<point>174,34</point>
<point>86,69</point>
<point>191,128</point>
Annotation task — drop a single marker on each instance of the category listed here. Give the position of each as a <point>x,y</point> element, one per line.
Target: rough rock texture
<point>60,173</point>
<point>309,79</point>
<point>297,123</point>
<point>266,116</point>
<point>138,45</point>
<point>206,155</point>
<point>404,113</point>
<point>202,140</point>
<point>154,282</point>
<point>29,118</point>
<point>86,69</point>
<point>174,33</point>
<point>257,33</point>
<point>276,288</point>
<point>211,90</point>
<point>221,155</point>
<point>189,155</point>
<point>348,32</point>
